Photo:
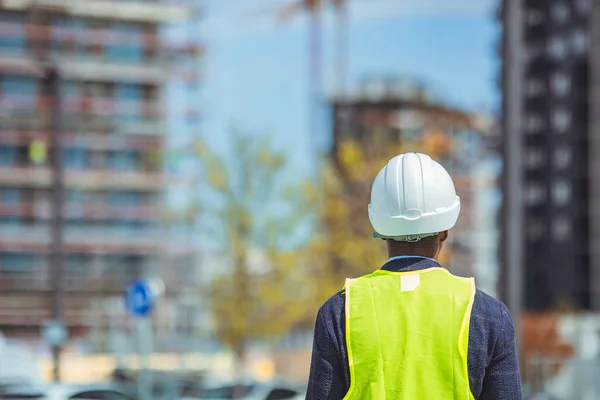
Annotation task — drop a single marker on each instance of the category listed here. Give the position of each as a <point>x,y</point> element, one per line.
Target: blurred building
<point>559,171</point>
<point>113,67</point>
<point>407,114</point>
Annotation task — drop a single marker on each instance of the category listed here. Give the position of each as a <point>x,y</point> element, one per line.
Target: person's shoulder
<point>334,304</point>
<point>490,309</point>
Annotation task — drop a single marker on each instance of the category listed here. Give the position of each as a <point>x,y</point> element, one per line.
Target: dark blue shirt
<point>492,356</point>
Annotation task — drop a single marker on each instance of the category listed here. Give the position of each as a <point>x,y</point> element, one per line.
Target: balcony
<point>99,211</point>
<point>94,69</point>
<point>114,10</point>
<point>41,177</point>
<point>82,140</point>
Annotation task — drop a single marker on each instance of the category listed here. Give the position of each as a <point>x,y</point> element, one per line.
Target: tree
<point>256,212</point>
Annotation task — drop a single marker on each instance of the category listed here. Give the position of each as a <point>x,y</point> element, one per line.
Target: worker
<point>412,330</point>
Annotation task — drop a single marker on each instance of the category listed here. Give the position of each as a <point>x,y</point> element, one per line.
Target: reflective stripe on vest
<point>407,335</point>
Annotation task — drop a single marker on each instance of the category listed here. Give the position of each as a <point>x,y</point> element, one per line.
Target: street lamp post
<point>52,85</point>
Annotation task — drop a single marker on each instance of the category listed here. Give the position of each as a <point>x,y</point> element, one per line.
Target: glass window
<point>75,158</point>
<point>534,17</point>
<point>561,192</point>
<point>562,157</point>
<point>8,155</point>
<point>534,123</point>
<point>534,158</point>
<point>561,228</point>
<point>18,84</point>
<point>534,194</point>
<point>10,195</point>
<point>14,42</point>
<point>579,41</point>
<point>124,160</point>
<point>77,264</point>
<point>124,198</point>
<point>560,12</point>
<point>129,98</point>
<point>16,263</point>
<point>557,47</point>
<point>535,229</point>
<point>561,120</point>
<point>10,222</point>
<point>561,83</point>
<point>535,87</point>
<point>127,45</point>
<point>583,6</point>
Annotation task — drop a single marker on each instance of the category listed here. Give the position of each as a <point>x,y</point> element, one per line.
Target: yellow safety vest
<point>407,335</point>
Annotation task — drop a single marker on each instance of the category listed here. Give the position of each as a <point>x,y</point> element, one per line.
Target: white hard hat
<point>412,197</point>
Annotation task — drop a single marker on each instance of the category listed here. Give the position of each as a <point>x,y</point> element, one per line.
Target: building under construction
<point>407,116</point>
<point>110,68</point>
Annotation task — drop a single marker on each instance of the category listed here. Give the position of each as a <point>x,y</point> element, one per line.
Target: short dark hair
<point>426,247</point>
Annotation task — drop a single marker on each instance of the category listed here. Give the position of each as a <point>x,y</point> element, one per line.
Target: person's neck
<point>435,257</point>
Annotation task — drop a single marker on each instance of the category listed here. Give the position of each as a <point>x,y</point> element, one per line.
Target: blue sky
<point>256,68</point>
<point>255,73</point>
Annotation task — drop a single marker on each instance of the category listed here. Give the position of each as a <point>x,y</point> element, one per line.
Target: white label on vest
<point>408,283</point>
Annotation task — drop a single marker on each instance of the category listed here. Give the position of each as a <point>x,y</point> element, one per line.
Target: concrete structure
<point>557,178</point>
<point>113,67</point>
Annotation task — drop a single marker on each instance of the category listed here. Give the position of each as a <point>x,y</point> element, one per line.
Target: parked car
<point>65,392</point>
<point>275,390</point>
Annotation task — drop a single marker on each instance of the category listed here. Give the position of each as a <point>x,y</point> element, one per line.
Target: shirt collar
<point>409,263</point>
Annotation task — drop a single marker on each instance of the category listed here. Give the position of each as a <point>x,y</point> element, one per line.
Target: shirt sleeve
<point>327,378</point>
<point>502,378</point>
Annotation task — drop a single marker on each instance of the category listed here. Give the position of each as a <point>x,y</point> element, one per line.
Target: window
<point>10,195</point>
<point>561,192</point>
<point>9,222</point>
<point>561,228</point>
<point>534,17</point>
<point>557,47</point>
<point>124,198</point>
<point>8,155</point>
<point>17,263</point>
<point>561,83</point>
<point>18,84</point>
<point>77,264</point>
<point>534,123</point>
<point>124,160</point>
<point>562,157</point>
<point>582,6</point>
<point>535,229</point>
<point>534,158</point>
<point>579,41</point>
<point>533,50</point>
<point>75,158</point>
<point>561,120</point>
<point>534,194</point>
<point>560,12</point>
<point>535,87</point>
<point>128,46</point>
<point>129,98</point>
<point>14,42</point>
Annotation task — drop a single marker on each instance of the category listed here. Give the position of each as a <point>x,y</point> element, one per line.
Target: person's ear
<point>443,236</point>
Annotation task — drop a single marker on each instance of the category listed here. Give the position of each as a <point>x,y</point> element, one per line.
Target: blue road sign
<point>139,298</point>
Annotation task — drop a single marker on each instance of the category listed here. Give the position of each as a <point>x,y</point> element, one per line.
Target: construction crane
<point>314,8</point>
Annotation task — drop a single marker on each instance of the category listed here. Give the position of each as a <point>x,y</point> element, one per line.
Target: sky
<point>256,72</point>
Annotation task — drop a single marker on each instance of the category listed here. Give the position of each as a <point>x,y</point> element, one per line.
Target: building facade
<point>555,137</point>
<point>112,67</point>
